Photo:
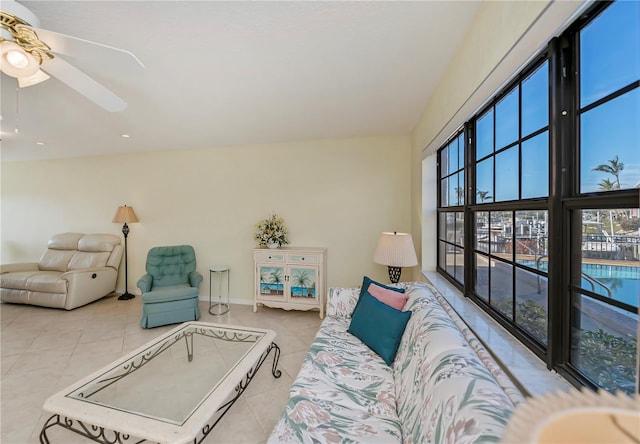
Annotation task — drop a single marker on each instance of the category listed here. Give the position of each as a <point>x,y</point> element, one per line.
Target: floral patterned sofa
<point>442,387</point>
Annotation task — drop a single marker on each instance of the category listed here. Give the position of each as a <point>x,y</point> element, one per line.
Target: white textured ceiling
<point>234,73</point>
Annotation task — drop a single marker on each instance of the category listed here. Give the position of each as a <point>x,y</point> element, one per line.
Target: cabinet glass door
<point>302,284</point>
<point>271,282</point>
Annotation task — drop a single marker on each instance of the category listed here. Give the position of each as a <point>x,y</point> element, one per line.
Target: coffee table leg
<point>94,433</point>
<point>276,357</point>
<point>242,386</point>
<point>188,339</point>
<point>54,420</point>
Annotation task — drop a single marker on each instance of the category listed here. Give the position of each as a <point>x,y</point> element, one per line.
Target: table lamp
<point>395,250</point>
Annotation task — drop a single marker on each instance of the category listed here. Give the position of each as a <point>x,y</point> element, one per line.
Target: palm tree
<point>460,195</point>
<point>607,185</point>
<point>614,168</point>
<point>277,278</point>
<point>483,195</point>
<point>302,279</point>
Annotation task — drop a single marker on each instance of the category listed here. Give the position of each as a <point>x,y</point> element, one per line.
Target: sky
<point>610,60</point>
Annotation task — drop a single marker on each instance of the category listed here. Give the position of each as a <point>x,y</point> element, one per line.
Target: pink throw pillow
<point>389,297</point>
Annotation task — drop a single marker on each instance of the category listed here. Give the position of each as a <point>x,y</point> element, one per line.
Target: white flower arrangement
<point>272,232</point>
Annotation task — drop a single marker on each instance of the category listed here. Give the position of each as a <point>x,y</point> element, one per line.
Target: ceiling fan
<point>31,55</point>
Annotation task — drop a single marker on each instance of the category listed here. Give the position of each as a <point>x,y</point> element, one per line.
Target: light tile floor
<point>45,350</point>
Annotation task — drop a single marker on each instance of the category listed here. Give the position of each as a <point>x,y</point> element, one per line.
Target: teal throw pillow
<point>366,281</point>
<point>379,326</point>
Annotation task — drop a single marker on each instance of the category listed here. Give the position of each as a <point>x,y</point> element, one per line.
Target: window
<point>452,195</point>
<point>554,253</point>
<point>605,287</point>
<point>452,173</point>
<point>512,138</point>
<point>609,97</point>
<point>510,261</point>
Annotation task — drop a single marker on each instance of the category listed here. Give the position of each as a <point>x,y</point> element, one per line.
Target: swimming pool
<point>622,281</point>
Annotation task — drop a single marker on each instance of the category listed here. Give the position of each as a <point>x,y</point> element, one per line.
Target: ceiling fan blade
<point>85,49</point>
<point>85,85</point>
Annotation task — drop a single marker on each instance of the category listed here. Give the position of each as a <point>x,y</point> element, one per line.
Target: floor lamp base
<point>126,296</point>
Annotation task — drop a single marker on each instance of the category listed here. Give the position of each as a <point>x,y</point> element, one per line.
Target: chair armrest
<point>26,266</point>
<point>145,283</point>
<point>195,279</point>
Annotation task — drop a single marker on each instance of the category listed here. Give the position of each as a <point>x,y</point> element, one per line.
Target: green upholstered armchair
<point>170,286</point>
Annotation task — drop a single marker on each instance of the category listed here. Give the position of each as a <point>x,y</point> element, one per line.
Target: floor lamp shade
<point>395,250</point>
<point>125,215</point>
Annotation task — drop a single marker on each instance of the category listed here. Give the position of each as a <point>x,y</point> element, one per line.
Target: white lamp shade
<point>125,215</point>
<point>16,62</point>
<point>395,250</point>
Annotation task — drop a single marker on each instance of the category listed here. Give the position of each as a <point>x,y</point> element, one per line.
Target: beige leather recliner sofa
<point>75,269</point>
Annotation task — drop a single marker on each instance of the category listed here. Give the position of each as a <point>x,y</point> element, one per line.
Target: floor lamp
<point>125,215</point>
<point>395,250</point>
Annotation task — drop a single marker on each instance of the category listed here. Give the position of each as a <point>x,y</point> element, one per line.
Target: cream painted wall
<point>503,37</point>
<point>339,194</point>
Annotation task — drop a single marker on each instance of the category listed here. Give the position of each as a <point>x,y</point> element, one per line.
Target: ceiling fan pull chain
<point>17,130</point>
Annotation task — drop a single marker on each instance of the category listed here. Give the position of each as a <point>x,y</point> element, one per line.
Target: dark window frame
<point>563,201</point>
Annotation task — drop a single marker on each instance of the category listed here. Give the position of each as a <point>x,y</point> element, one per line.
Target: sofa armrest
<point>342,301</point>
<point>25,266</point>
<point>145,283</point>
<point>88,285</point>
<point>195,279</point>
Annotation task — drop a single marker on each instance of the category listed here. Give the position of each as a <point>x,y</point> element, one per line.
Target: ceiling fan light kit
<point>39,76</point>
<point>23,54</point>
<point>16,62</point>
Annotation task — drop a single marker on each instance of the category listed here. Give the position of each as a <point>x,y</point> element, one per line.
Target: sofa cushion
<point>47,282</point>
<point>98,242</point>
<point>17,280</point>
<point>458,398</point>
<point>64,241</point>
<point>170,293</point>
<point>379,326</point>
<point>55,260</point>
<point>82,260</point>
<point>343,393</point>
<point>390,297</point>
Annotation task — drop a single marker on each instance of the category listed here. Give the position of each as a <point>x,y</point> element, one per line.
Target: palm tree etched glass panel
<point>272,281</point>
<point>303,282</point>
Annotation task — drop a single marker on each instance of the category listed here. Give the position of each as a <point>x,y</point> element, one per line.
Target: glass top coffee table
<point>173,389</point>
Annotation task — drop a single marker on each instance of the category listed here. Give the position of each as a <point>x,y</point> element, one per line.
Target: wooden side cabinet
<point>292,278</point>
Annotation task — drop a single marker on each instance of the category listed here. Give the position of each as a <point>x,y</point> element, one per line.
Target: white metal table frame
<point>109,425</point>
<point>222,306</point>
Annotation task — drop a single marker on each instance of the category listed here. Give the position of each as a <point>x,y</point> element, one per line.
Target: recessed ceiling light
<point>40,143</point>
<point>126,136</point>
